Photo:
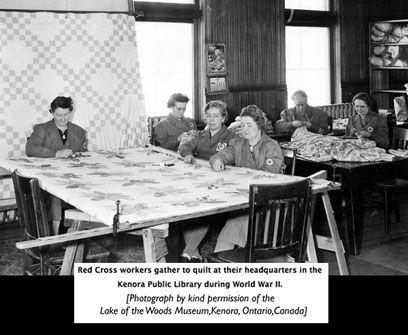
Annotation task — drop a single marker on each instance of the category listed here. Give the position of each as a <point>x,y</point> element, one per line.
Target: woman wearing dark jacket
<point>366,123</point>
<point>56,138</point>
<point>169,132</point>
<point>204,144</point>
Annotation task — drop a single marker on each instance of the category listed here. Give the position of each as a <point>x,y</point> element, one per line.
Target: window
<point>165,35</point>
<point>308,63</point>
<point>166,63</point>
<point>309,58</point>
<point>307,4</point>
<point>168,1</point>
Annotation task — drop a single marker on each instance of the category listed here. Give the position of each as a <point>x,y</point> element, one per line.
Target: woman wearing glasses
<point>56,138</point>
<point>214,138</point>
<point>367,124</point>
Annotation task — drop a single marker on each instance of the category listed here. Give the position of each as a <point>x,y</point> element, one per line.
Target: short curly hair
<point>364,97</point>
<point>221,106</point>
<point>61,102</point>
<point>256,114</point>
<point>177,97</point>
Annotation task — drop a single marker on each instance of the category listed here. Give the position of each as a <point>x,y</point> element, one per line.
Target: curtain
<point>90,57</point>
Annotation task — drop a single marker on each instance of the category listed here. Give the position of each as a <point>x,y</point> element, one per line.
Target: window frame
<point>320,19</point>
<point>176,13</point>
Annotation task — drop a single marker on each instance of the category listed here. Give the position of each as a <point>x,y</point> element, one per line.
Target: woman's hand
<point>189,159</point>
<point>64,153</point>
<point>297,123</point>
<point>364,133</point>
<point>308,124</point>
<point>181,136</point>
<point>218,165</point>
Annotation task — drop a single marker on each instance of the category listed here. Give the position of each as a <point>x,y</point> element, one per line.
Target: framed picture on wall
<point>216,59</point>
<point>217,85</point>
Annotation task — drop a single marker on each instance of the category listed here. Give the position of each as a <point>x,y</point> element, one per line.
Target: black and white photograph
<point>204,161</point>
<point>216,64</point>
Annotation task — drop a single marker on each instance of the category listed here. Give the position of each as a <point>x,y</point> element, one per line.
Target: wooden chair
<point>152,122</point>
<point>390,191</point>
<point>399,138</point>
<point>277,225</point>
<point>7,205</point>
<point>290,162</point>
<point>33,220</point>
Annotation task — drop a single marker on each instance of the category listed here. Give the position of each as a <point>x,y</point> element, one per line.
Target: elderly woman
<point>254,150</point>
<point>213,138</point>
<point>204,144</point>
<point>366,123</point>
<point>169,132</point>
<point>56,138</point>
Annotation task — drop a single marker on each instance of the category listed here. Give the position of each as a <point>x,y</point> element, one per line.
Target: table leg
<point>154,243</point>
<point>74,253</point>
<point>311,248</point>
<point>335,237</point>
<point>354,227</point>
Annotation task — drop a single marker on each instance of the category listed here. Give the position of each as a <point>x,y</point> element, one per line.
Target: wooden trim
<point>65,11</point>
<point>166,12</point>
<point>256,88</point>
<point>308,18</point>
<point>196,69</point>
<point>131,7</point>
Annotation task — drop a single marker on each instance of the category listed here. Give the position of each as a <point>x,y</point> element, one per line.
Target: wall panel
<point>252,31</point>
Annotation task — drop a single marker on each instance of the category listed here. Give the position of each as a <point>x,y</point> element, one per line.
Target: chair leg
<point>369,204</point>
<point>397,211</point>
<point>386,222</point>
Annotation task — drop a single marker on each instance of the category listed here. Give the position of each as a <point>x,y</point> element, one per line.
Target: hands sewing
<point>361,133</point>
<point>297,123</point>
<point>64,153</point>
<point>218,165</point>
<point>189,159</point>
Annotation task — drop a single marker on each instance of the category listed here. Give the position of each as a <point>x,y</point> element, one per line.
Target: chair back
<point>32,214</point>
<point>399,138</point>
<point>152,122</point>
<point>291,161</point>
<point>26,210</point>
<point>277,220</point>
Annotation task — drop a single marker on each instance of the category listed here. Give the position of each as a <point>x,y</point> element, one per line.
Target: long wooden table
<point>354,177</point>
<point>153,185</point>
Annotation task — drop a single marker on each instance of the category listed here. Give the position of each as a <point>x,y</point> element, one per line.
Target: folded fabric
<point>322,148</point>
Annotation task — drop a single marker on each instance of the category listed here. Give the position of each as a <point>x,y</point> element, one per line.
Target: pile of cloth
<point>399,153</point>
<point>321,148</point>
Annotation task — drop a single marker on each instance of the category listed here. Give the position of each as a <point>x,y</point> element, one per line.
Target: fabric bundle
<point>321,148</point>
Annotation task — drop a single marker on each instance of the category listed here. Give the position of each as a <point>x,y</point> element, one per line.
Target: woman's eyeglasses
<point>360,107</point>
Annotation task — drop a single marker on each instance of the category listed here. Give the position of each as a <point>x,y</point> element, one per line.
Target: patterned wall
<point>90,57</point>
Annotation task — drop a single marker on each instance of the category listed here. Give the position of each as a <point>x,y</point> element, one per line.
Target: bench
<point>340,112</point>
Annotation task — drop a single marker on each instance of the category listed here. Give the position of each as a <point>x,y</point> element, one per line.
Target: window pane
<point>307,4</point>
<point>169,1</point>
<point>166,63</point>
<point>308,63</point>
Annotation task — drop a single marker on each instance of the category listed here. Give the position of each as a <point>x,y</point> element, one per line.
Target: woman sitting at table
<point>204,144</point>
<point>255,151</point>
<point>169,132</point>
<point>366,123</point>
<point>56,138</point>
